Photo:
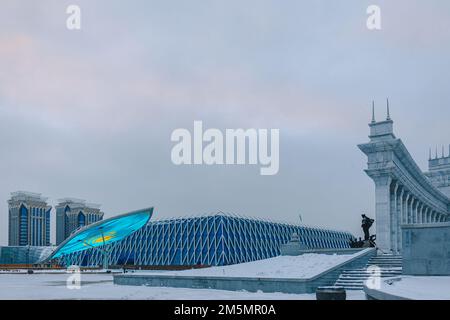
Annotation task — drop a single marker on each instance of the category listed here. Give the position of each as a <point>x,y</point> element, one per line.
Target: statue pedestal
<point>367,244</point>
<point>294,247</point>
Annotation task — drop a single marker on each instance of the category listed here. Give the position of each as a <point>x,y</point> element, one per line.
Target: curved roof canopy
<point>103,232</point>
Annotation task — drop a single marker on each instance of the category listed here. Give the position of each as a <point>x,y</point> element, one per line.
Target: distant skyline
<point>89,113</point>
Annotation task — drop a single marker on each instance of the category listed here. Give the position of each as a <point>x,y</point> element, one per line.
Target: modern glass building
<point>24,254</point>
<point>73,214</point>
<point>29,219</point>
<point>212,240</point>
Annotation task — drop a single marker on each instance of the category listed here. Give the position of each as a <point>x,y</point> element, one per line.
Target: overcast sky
<point>89,113</point>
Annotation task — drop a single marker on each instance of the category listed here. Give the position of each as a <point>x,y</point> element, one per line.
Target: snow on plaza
<point>53,285</point>
<point>419,288</point>
<point>94,286</point>
<point>290,267</point>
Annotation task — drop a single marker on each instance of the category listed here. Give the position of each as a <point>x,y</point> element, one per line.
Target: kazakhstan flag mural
<point>104,232</point>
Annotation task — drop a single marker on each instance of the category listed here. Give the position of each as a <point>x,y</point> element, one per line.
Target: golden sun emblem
<point>106,237</point>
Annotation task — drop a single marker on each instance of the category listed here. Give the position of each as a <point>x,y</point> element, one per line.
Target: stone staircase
<point>353,279</point>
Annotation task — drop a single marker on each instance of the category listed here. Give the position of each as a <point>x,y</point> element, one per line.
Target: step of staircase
<point>365,276</point>
<point>353,279</point>
<point>386,260</point>
<point>367,271</point>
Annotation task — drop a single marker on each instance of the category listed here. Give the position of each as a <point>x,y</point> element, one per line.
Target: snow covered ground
<point>52,285</point>
<point>419,288</point>
<point>293,267</point>
<point>96,286</point>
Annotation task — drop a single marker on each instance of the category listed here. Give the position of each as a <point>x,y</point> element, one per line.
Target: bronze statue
<point>366,224</point>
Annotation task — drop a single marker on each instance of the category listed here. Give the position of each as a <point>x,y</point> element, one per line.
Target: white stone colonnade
<point>403,194</point>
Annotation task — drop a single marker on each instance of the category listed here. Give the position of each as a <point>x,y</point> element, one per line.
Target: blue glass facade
<point>81,220</point>
<point>47,226</point>
<point>23,235</point>
<point>24,254</point>
<point>215,240</point>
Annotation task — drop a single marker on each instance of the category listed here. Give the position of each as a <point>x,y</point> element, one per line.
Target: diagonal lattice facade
<point>208,240</point>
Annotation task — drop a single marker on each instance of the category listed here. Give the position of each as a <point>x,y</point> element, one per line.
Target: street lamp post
<point>104,251</point>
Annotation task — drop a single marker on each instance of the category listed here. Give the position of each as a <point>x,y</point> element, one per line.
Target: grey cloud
<point>89,114</point>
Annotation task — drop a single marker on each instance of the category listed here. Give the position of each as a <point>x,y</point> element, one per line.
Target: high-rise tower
<point>29,219</point>
<point>72,214</point>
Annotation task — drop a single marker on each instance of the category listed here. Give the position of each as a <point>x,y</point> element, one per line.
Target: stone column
<point>421,213</point>
<point>405,209</point>
<point>382,209</point>
<point>410,209</point>
<point>424,212</point>
<point>419,205</point>
<point>399,219</point>
<point>393,213</point>
<point>416,211</point>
